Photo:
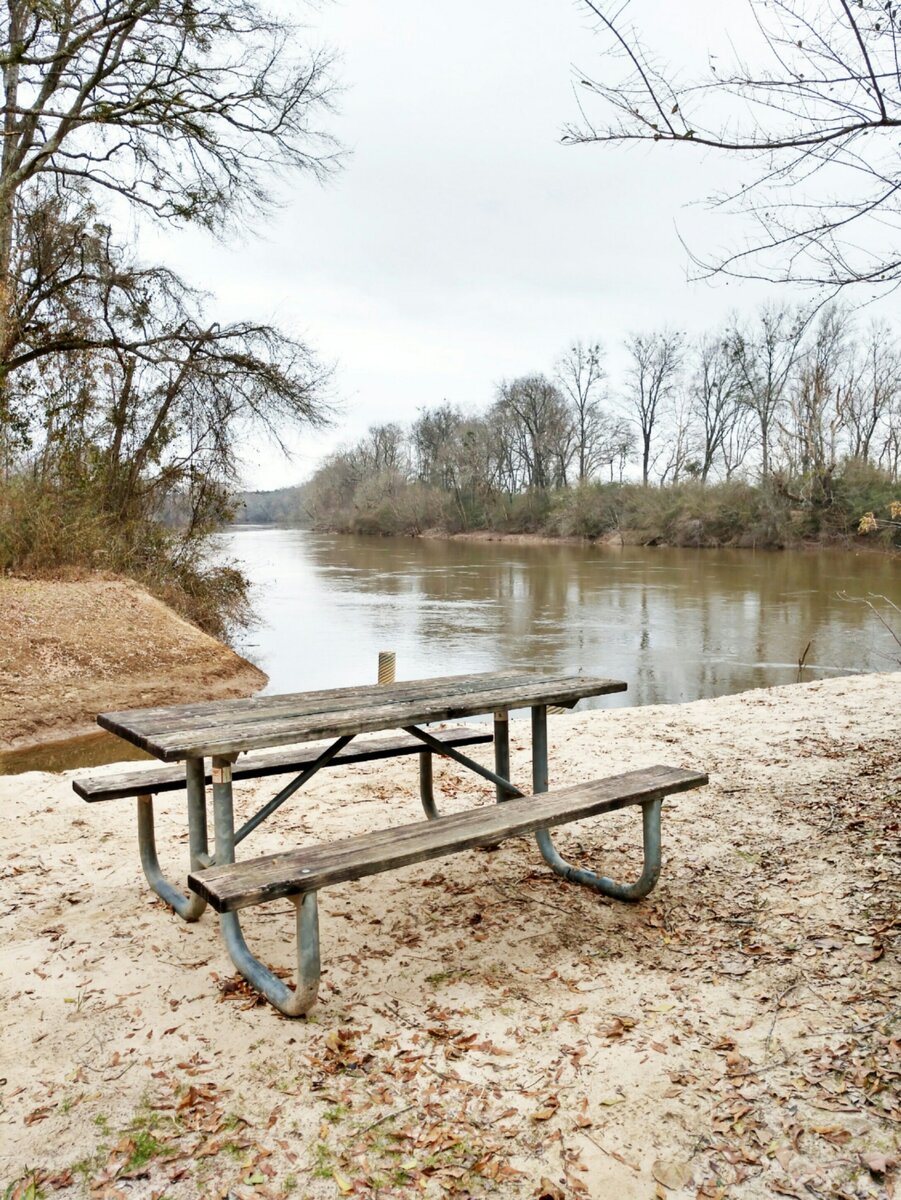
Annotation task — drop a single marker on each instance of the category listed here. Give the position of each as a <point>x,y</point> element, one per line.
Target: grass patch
<point>146,1147</point>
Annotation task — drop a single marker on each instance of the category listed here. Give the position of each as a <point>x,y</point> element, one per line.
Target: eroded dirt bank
<point>72,648</point>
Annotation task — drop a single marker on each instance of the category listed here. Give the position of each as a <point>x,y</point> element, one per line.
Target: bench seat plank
<point>255,881</point>
<point>144,781</point>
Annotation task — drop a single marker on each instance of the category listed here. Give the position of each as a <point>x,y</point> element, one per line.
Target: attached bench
<point>299,874</point>
<point>146,782</point>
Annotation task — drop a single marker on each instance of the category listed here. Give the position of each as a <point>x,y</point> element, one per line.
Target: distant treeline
<point>761,433</point>
<point>286,506</point>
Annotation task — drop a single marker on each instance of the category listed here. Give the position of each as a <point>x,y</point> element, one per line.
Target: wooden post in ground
<point>387,663</point>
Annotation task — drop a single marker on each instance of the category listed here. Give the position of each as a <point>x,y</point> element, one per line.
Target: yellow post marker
<point>387,662</point>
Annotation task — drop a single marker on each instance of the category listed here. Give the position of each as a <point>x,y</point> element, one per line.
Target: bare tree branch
<point>820,123</point>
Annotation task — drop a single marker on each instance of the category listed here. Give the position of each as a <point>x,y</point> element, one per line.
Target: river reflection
<point>676,624</point>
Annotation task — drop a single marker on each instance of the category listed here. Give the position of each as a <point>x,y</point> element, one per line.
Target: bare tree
<point>678,446</point>
<point>434,437</point>
<point>738,443</point>
<point>182,109</point>
<point>765,356</point>
<point>866,401</point>
<point>816,107</point>
<point>128,388</point>
<point>715,398</point>
<point>812,431</point>
<point>614,445</point>
<point>385,447</point>
<point>582,377</point>
<point>890,451</point>
<point>539,428</point>
<point>656,359</point>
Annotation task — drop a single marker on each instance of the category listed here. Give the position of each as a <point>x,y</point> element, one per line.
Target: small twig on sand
<point>387,1117</point>
<point>611,1153</point>
<point>785,992</point>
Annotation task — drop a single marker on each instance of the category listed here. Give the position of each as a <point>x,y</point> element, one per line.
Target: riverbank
<point>626,538</point>
<point>72,648</point>
<point>484,1027</point>
<point>858,506</point>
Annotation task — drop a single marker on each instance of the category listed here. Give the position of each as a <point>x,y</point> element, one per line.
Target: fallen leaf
<point>345,1187</point>
<point>549,1191</point>
<point>547,1110</point>
<point>878,1164</point>
<point>672,1175</point>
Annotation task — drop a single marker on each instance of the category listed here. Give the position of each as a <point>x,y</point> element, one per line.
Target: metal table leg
<point>189,907</point>
<point>426,786</point>
<point>291,1003</point>
<point>502,752</point>
<point>650,823</point>
<point>501,764</point>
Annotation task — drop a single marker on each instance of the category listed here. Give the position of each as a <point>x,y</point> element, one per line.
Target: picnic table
<point>224,731</point>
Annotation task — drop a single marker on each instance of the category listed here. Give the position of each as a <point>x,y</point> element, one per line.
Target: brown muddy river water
<point>676,624</point>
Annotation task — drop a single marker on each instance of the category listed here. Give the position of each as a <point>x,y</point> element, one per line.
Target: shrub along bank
<point>48,530</point>
<point>775,514</point>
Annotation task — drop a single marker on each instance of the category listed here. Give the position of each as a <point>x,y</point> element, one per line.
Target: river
<point>677,625</point>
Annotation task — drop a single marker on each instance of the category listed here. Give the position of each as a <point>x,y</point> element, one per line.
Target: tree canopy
<point>117,391</point>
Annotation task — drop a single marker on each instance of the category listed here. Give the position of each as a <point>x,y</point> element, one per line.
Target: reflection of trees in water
<point>675,623</point>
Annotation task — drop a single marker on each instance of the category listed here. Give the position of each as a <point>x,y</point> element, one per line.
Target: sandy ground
<point>71,649</point>
<point>483,1028</point>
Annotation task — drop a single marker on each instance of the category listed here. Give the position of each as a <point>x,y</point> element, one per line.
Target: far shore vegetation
<point>766,433</point>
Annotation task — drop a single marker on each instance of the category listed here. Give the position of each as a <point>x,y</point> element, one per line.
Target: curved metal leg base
<point>292,1003</point>
<point>426,791</point>
<point>650,821</point>
<point>188,907</point>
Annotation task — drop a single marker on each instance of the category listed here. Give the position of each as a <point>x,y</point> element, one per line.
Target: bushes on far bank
<point>689,514</point>
<point>775,514</point>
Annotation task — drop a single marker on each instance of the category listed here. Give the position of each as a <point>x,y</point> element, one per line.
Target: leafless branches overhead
<point>815,107</point>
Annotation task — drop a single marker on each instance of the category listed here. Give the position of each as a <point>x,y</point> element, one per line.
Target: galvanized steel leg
<point>650,821</point>
<point>502,752</point>
<point>426,789</point>
<point>276,991</point>
<point>188,907</point>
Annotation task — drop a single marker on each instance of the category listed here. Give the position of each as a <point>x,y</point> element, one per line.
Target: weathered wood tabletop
<point>227,727</point>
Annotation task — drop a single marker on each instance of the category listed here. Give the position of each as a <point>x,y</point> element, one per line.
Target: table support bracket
<point>289,789</point>
<point>293,1003</point>
<point>188,907</point>
<point>439,747</point>
<point>650,822</point>
<point>426,790</point>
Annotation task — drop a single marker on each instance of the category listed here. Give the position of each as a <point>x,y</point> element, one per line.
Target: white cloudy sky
<point>462,243</point>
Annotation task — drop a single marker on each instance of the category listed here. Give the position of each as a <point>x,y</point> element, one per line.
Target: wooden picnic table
<point>224,730</point>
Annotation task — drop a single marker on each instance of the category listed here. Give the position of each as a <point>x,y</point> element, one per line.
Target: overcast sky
<point>462,243</point>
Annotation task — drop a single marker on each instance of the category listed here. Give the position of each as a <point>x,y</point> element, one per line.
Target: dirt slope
<point>70,649</point>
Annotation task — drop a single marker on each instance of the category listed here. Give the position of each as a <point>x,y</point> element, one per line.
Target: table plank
<point>201,714</point>
<point>227,727</point>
